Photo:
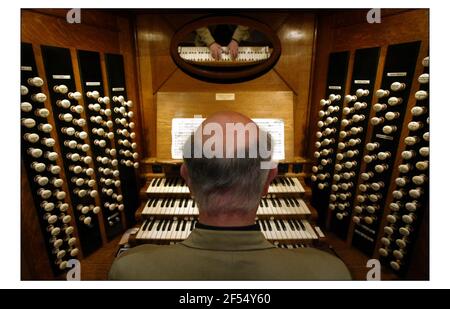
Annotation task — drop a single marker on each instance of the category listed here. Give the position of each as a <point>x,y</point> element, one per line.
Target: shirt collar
<point>226,240</point>
<point>253,227</point>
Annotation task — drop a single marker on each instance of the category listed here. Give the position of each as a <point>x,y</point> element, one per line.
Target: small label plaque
<point>92,83</point>
<point>361,81</point>
<point>390,138</point>
<point>334,87</point>
<point>26,68</point>
<point>61,76</point>
<point>118,89</point>
<point>394,74</point>
<point>225,97</point>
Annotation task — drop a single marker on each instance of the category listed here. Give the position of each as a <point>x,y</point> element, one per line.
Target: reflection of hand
<point>233,49</point>
<point>216,50</point>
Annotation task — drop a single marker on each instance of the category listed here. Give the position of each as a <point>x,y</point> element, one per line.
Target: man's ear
<point>184,173</point>
<point>270,177</point>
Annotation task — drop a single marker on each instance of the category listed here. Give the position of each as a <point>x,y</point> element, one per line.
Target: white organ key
<point>263,230</point>
<point>319,232</point>
<point>141,230</point>
<point>187,228</point>
<point>151,228</point>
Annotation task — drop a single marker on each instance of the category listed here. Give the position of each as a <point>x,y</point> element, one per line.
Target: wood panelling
<point>323,47</point>
<point>397,28</point>
<point>180,82</point>
<point>154,35</point>
<point>97,18</point>
<point>252,104</point>
<point>44,29</point>
<point>158,73</point>
<point>297,36</point>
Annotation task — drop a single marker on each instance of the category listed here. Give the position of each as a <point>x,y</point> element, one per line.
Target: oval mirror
<point>225,49</point>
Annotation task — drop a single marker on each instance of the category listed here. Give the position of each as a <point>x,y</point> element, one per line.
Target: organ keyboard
<point>188,207</point>
<point>168,214</point>
<point>247,55</point>
<point>167,231</point>
<point>176,185</point>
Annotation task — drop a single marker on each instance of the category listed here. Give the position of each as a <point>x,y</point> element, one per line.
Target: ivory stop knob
<point>72,241</point>
<point>87,220</point>
<point>383,252</point>
<point>401,243</point>
<point>60,89</point>
<point>63,265</point>
<point>75,95</point>
<point>380,93</point>
<point>356,219</point>
<point>74,252</point>
<point>398,254</point>
<point>418,110</point>
<point>371,209</point>
<point>29,123</point>
<point>419,179</point>
<point>39,97</point>
<point>63,206</point>
<point>35,81</point>
<point>395,265</point>
<point>340,216</point>
<point>23,90</point>
<point>69,230</point>
<point>26,107</point>
<point>385,241</point>
<point>424,151</point>
<point>421,95</point>
<point>404,231</point>
<point>362,92</point>
<point>66,219</point>
<point>424,78</point>
<point>394,206</point>
<point>408,219</point>
<point>55,231</point>
<point>57,243</point>
<point>426,61</point>
<point>397,86</point>
<point>422,165</point>
<point>388,230</point>
<point>394,101</point>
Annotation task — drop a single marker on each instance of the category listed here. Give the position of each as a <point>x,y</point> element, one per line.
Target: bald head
<point>222,165</point>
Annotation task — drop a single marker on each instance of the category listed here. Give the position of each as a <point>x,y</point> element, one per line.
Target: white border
<point>10,154</point>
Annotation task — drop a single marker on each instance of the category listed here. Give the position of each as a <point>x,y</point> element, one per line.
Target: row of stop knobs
<point>351,131</point>
<point>368,204</point>
<point>326,137</point>
<point>106,160</point>
<point>55,213</point>
<point>410,191</point>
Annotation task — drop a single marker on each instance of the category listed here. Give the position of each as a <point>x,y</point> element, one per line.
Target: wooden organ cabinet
<point>97,103</point>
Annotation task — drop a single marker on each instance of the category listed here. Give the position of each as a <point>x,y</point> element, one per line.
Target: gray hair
<point>226,185</point>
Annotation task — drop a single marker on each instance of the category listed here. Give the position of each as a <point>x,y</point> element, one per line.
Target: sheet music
<point>182,128</point>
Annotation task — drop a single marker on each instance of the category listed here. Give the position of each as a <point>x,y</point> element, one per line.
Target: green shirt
<point>226,255</point>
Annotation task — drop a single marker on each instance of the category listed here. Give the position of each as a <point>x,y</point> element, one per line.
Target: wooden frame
<point>215,74</point>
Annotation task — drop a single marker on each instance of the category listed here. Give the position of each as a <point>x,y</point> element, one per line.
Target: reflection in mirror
<point>225,45</point>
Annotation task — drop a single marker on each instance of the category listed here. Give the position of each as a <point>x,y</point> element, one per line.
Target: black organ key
<point>302,225</point>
